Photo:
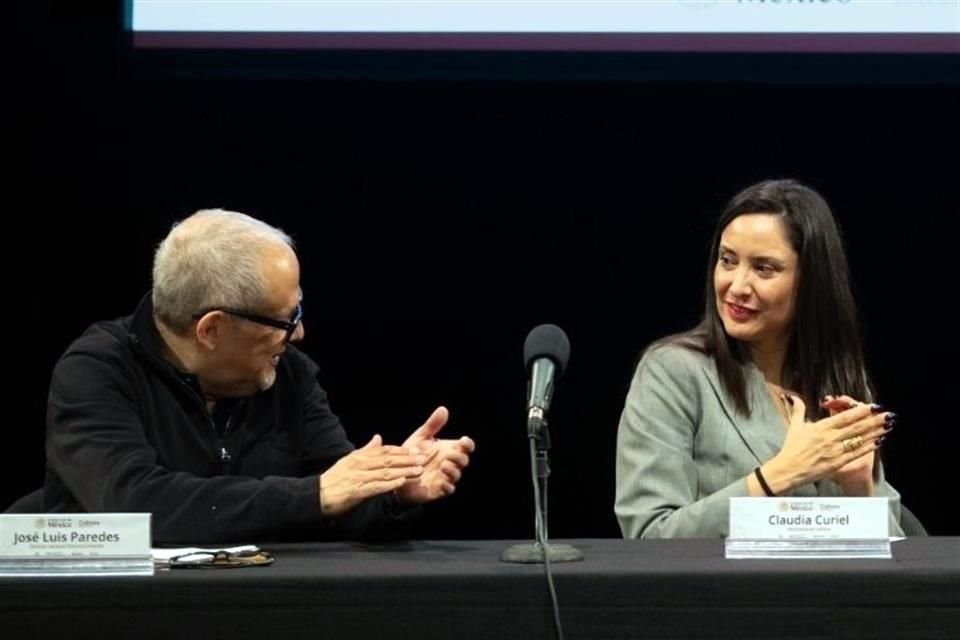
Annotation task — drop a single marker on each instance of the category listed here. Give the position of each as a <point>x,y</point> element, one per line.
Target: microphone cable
<point>540,526</point>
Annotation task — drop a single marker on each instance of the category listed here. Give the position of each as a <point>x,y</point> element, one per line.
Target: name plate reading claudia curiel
<point>75,544</point>
<point>809,528</point>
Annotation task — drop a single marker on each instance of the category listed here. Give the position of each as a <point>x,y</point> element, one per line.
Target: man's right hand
<point>366,472</point>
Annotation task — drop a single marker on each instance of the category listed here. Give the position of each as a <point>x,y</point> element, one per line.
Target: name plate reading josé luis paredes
<point>75,544</point>
<point>808,528</point>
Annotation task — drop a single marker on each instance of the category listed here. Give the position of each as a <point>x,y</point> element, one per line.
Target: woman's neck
<point>769,359</point>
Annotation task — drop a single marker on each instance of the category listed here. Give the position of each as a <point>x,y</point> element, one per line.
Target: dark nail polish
<point>880,440</point>
<point>890,418</point>
<point>876,408</point>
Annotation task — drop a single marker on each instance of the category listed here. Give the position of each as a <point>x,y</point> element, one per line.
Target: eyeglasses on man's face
<point>289,326</point>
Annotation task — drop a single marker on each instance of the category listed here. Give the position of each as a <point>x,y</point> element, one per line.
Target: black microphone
<point>545,354</point>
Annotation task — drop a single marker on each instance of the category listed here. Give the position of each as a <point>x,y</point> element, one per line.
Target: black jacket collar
<point>146,339</point>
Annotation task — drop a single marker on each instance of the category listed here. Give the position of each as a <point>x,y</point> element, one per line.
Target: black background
<point>444,205</point>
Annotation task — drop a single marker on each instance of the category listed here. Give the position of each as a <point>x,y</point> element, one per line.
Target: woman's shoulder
<point>679,348</point>
<point>672,370</point>
<point>678,356</point>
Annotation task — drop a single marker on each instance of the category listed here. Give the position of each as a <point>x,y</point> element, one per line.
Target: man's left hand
<point>446,460</point>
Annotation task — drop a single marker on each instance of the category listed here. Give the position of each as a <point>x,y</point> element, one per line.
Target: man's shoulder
<point>101,355</point>
<point>104,338</point>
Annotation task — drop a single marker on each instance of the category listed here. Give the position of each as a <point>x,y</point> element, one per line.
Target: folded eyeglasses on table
<point>193,558</point>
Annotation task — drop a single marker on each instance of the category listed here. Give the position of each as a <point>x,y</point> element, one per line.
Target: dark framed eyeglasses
<point>289,326</point>
<point>211,559</point>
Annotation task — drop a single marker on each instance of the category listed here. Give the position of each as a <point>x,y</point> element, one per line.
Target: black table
<point>459,589</point>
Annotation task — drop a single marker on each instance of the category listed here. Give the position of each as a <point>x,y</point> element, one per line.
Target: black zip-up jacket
<point>127,432</point>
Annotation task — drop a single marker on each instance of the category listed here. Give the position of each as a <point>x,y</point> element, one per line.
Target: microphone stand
<point>533,553</point>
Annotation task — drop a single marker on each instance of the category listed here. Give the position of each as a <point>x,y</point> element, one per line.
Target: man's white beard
<point>267,378</point>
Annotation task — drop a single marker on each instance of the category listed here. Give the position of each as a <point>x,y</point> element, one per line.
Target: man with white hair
<point>199,409</point>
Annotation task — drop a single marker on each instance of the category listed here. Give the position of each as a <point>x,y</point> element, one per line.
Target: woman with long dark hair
<point>769,394</point>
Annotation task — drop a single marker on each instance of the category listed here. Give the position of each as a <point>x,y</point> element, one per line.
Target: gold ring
<point>850,444</point>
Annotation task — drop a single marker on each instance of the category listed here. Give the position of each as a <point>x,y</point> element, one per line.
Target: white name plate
<point>809,527</point>
<point>75,544</point>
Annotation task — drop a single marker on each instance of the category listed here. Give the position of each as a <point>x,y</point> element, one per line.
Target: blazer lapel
<point>763,432</point>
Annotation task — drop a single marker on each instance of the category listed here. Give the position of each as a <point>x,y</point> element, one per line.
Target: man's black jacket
<point>127,432</point>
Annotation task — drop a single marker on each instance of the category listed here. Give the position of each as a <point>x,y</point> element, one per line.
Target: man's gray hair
<point>211,259</point>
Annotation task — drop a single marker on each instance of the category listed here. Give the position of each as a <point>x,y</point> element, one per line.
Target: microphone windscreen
<point>547,341</point>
